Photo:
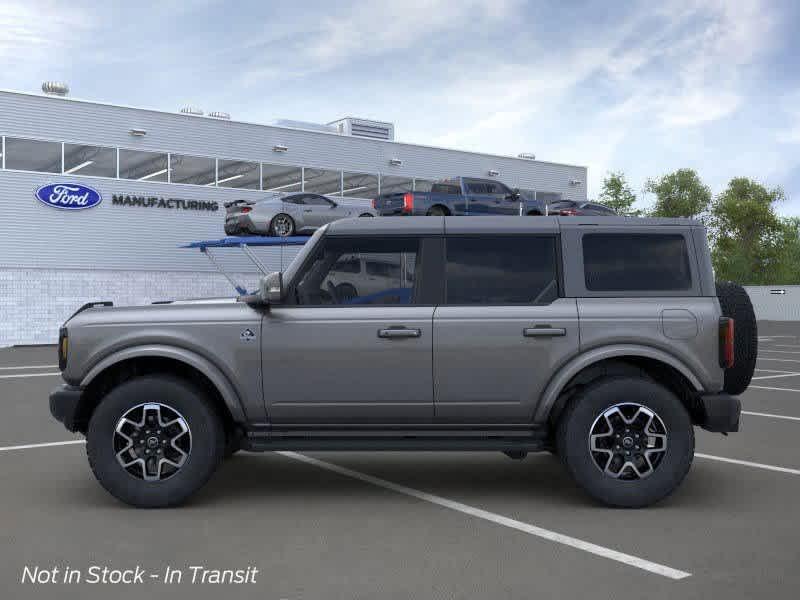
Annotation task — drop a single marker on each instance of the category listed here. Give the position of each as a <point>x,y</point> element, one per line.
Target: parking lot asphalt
<point>412,525</point>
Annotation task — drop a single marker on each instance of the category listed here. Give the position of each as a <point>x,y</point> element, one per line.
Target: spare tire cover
<point>735,303</point>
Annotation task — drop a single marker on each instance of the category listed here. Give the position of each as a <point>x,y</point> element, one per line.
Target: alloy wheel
<point>628,441</point>
<point>152,441</point>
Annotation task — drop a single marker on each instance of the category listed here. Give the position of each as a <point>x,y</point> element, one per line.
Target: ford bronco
<point>604,340</point>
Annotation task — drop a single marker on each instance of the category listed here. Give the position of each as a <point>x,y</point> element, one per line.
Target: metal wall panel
<point>776,302</point>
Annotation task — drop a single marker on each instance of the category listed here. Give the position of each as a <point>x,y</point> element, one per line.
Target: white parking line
<point>772,371</point>
<point>608,553</point>
<point>44,445</point>
<point>785,346</point>
<point>782,351</point>
<point>770,415</point>
<point>29,375</point>
<point>747,463</point>
<point>29,367</point>
<point>776,389</point>
<point>776,376</point>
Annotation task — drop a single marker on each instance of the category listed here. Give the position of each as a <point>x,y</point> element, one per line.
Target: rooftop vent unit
<point>303,125</point>
<point>376,130</point>
<point>527,155</point>
<point>192,110</point>
<point>55,88</point>
<point>216,114</point>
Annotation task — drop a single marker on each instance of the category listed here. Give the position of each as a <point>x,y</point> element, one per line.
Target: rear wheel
<point>282,225</point>
<point>438,211</point>
<point>366,215</point>
<point>154,440</point>
<point>627,441</point>
<point>735,303</point>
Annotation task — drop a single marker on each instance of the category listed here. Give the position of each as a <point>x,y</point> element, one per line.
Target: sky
<point>639,87</point>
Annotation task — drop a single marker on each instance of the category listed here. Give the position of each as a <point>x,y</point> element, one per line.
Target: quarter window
<point>335,277</point>
<point>636,262</point>
<point>501,270</point>
<point>33,155</point>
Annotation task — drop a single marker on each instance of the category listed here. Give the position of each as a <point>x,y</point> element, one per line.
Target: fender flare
<point>218,379</point>
<point>587,359</point>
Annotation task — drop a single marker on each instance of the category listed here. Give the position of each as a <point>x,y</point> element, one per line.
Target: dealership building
<point>161,179</point>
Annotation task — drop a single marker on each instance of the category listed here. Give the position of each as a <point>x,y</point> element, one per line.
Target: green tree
<point>752,244</point>
<point>679,194</point>
<point>617,194</point>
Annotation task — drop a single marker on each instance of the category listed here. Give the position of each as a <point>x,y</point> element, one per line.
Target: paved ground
<point>413,525</point>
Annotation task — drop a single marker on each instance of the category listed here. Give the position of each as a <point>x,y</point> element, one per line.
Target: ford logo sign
<point>68,196</point>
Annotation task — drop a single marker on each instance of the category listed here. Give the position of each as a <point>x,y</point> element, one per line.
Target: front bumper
<point>720,412</point>
<point>64,404</point>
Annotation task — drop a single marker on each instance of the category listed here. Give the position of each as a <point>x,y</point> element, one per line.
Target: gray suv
<point>604,340</point>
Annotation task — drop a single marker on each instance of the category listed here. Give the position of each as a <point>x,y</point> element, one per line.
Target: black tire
<point>534,213</point>
<point>291,230</point>
<point>206,431</point>
<point>438,211</point>
<point>366,215</point>
<point>585,409</point>
<point>735,303</point>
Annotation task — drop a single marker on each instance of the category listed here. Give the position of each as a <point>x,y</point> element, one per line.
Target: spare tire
<point>735,303</point>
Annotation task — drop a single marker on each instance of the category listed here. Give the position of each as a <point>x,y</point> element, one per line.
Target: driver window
<point>360,271</point>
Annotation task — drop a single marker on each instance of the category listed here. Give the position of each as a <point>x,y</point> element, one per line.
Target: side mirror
<point>270,288</point>
<point>270,291</point>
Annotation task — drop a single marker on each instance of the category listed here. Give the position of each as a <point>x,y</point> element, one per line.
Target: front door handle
<point>544,331</point>
<point>396,333</point>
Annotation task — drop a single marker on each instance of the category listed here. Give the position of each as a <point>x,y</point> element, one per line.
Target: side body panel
<point>329,364</point>
<point>197,334</point>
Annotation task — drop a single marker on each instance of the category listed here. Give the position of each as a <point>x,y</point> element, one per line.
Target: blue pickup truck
<point>460,196</point>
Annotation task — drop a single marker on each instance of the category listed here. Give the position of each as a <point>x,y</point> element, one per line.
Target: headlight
<point>63,347</point>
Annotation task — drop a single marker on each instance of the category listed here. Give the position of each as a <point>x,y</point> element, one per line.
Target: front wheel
<point>627,441</point>
<point>154,440</point>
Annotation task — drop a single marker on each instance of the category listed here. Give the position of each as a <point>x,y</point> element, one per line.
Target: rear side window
<point>636,262</point>
<point>501,270</point>
<point>445,188</point>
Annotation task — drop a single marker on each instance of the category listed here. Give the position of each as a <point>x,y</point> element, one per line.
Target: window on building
<point>636,262</point>
<point>424,185</point>
<point>96,161</point>
<point>33,155</point>
<point>196,170</point>
<point>238,174</point>
<point>501,270</point>
<point>334,275</point>
<point>396,185</point>
<point>323,181</point>
<point>360,185</point>
<point>281,178</point>
<point>141,165</point>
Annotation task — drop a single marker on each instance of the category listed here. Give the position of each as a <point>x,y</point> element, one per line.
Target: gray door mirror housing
<point>270,291</point>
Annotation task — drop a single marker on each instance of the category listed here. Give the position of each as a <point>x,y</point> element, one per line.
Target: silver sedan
<point>282,215</point>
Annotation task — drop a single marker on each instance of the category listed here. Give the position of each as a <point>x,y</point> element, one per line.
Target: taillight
<point>375,203</point>
<point>408,203</point>
<point>246,209</point>
<point>568,212</point>
<point>63,348</point>
<point>726,328</point>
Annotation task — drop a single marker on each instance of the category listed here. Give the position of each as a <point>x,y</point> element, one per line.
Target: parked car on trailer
<point>460,196</point>
<point>575,208</point>
<point>284,215</point>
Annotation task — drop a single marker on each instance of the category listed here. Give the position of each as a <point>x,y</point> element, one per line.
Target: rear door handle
<point>396,333</point>
<point>544,331</point>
